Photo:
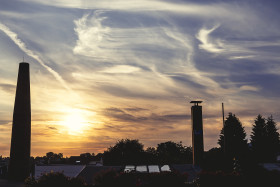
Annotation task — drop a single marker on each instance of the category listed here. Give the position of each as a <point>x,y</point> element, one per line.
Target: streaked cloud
<point>241,57</point>
<point>249,88</point>
<point>121,69</point>
<point>217,10</point>
<point>8,87</point>
<point>13,36</point>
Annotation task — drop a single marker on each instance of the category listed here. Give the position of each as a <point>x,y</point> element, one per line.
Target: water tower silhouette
<point>197,133</point>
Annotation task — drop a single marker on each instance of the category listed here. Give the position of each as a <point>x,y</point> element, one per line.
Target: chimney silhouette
<point>19,168</point>
<point>197,133</point>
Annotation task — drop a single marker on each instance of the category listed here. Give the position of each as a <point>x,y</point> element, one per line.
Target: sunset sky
<point>103,70</point>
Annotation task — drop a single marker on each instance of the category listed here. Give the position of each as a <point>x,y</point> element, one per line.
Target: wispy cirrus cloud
<point>211,10</point>
<point>162,49</point>
<point>211,46</point>
<point>120,69</point>
<point>249,88</point>
<point>91,36</point>
<point>13,36</point>
<point>235,48</point>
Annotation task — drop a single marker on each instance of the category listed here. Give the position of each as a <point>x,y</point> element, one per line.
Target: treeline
<point>264,141</point>
<point>127,151</point>
<point>132,152</point>
<point>234,150</point>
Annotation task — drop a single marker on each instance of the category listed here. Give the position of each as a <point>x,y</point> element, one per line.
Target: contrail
<point>13,36</point>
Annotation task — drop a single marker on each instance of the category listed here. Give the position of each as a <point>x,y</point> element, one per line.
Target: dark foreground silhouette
<point>111,178</point>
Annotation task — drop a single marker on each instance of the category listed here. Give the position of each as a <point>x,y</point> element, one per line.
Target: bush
<point>54,179</point>
<point>106,178</point>
<point>219,179</point>
<point>256,177</point>
<point>113,178</point>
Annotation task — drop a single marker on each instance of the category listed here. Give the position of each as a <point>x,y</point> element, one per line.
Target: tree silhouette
<point>151,156</point>
<point>52,157</point>
<point>233,133</point>
<point>49,155</point>
<point>173,153</point>
<point>259,139</point>
<point>212,159</point>
<point>273,142</point>
<point>128,151</point>
<point>124,152</point>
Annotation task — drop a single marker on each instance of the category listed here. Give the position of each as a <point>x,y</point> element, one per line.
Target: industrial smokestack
<point>19,168</point>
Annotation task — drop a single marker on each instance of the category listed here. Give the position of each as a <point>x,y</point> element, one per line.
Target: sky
<point>107,70</point>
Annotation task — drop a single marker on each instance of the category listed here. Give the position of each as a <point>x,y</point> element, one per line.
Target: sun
<point>75,121</point>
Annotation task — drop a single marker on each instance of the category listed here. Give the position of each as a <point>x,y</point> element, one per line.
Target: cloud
<point>241,47</point>
<point>121,69</point>
<point>207,44</point>
<point>13,36</point>
<point>135,109</point>
<point>185,8</point>
<point>249,88</point>
<point>101,38</point>
<point>91,35</point>
<point>52,128</point>
<point>4,122</point>
<point>241,57</point>
<point>8,87</point>
<point>156,50</point>
<point>120,114</point>
<point>161,51</point>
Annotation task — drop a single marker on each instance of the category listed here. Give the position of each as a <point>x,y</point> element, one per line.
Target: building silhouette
<point>197,133</point>
<point>19,168</point>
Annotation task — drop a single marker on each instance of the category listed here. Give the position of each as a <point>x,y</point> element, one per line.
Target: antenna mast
<point>224,128</point>
<point>223,114</point>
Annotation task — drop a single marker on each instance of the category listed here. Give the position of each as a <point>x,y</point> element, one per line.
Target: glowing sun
<point>75,122</point>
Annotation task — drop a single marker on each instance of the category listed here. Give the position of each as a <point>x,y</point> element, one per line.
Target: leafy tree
<point>273,142</point>
<point>151,156</point>
<point>124,152</point>
<point>60,155</point>
<point>233,138</point>
<point>98,156</point>
<point>85,158</point>
<point>212,159</point>
<point>173,153</point>
<point>49,155</point>
<point>131,152</point>
<point>52,157</point>
<point>259,139</point>
<point>151,150</point>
